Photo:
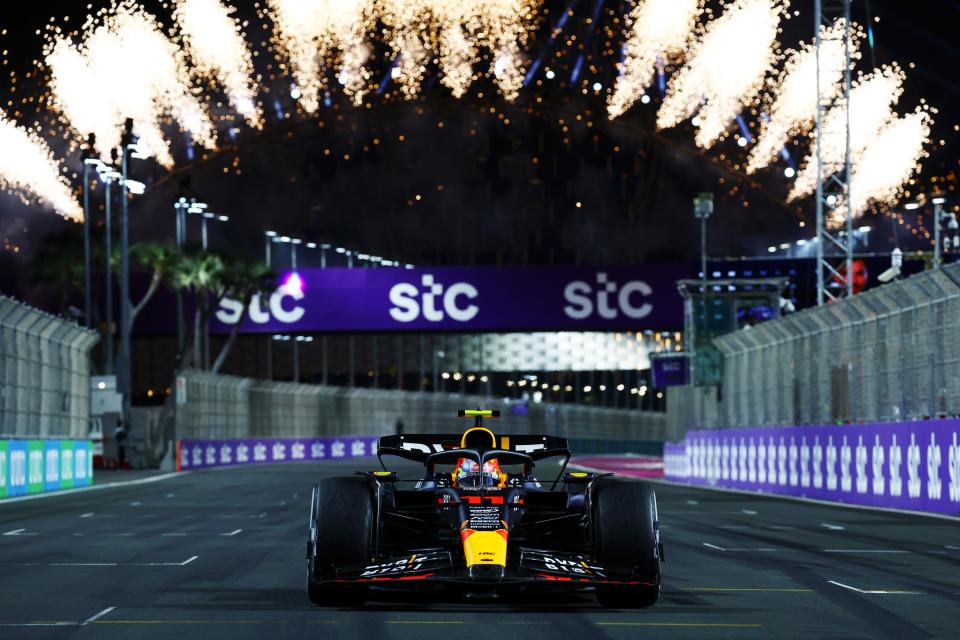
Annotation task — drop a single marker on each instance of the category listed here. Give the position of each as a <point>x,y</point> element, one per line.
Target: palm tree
<point>198,274</point>
<point>241,281</point>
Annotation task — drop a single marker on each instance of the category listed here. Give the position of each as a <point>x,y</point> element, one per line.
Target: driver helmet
<point>469,474</point>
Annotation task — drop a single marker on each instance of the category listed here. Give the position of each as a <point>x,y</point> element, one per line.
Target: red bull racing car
<point>479,519</point>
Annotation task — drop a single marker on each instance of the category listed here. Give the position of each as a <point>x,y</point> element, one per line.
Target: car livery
<point>478,518</point>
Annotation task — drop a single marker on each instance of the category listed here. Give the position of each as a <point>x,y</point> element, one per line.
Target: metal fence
<point>889,354</point>
<point>219,406</point>
<point>44,373</point>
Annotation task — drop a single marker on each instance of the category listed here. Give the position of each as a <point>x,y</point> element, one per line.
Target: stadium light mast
<point>833,190</point>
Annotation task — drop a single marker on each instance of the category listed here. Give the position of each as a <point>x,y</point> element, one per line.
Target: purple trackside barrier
<point>200,454</point>
<point>904,465</point>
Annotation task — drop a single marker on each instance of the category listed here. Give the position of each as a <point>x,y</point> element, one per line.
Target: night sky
<point>443,181</point>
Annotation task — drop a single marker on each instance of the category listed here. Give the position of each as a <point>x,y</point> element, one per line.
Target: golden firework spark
<point>29,171</point>
<point>216,48</point>
<point>725,69</point>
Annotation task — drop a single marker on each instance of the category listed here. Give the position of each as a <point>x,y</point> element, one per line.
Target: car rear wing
<point>420,446</point>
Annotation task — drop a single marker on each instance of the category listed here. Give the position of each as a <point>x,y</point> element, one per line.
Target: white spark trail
<point>889,161</point>
<point>794,109</point>
<point>661,29</point>
<point>318,35</point>
<point>216,47</point>
<point>125,67</point>
<point>725,69</point>
<point>29,171</point>
<point>871,106</point>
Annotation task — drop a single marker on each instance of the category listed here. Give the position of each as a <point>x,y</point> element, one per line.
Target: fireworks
<point>457,31</point>
<point>315,35</point>
<point>125,68</point>
<point>724,69</point>
<point>795,107</point>
<point>871,107</point>
<point>659,31</point>
<point>27,168</point>
<point>888,161</point>
<point>217,50</point>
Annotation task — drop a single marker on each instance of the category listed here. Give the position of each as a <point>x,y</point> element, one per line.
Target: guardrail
<point>39,466</point>
<point>906,465</point>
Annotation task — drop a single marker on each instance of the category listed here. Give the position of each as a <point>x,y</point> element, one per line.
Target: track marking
<point>875,591</point>
<point>158,622</point>
<point>693,502</point>
<point>232,533</point>
<point>173,534</point>
<point>865,551</point>
<point>702,625</point>
<point>713,546</point>
<point>832,527</point>
<point>752,589</point>
<point>425,622</point>
<point>15,532</point>
<point>95,487</point>
<point>38,624</point>
<point>749,512</point>
<point>950,546</point>
<point>97,616</point>
<point>87,515</point>
<point>136,503</point>
<point>99,564</point>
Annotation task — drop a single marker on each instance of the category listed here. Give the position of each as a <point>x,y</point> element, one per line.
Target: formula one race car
<point>479,520</point>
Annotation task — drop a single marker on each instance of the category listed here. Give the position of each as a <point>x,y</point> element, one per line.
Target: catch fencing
<point>887,355</point>
<point>217,407</point>
<point>44,373</point>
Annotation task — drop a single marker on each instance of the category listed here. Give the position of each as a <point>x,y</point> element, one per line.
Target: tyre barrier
<point>40,466</point>
<point>912,466</point>
<point>200,454</point>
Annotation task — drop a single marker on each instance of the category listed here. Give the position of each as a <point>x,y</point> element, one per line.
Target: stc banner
<point>465,299</point>
<point>199,454</point>
<point>39,466</point>
<point>903,465</point>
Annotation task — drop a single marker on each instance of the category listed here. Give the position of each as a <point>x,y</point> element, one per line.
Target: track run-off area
<point>220,554</point>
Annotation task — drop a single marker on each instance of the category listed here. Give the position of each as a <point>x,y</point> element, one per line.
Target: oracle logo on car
<point>435,302</point>
<point>231,311</point>
<point>580,295</point>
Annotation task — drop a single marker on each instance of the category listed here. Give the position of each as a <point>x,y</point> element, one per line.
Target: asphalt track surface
<point>219,554</point>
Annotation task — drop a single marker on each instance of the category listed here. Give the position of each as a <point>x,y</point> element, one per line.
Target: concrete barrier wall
<point>225,407</point>
<point>44,373</point>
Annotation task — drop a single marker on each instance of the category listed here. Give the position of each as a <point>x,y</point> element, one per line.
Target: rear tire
<point>342,514</point>
<point>625,528</point>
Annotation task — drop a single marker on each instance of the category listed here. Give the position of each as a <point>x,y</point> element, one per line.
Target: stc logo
<point>231,310</point>
<point>435,304</point>
<point>609,303</point>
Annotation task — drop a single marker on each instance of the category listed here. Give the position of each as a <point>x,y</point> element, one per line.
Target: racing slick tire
<point>341,523</point>
<point>625,535</point>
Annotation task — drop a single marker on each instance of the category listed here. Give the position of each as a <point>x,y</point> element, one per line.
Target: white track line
<point>865,551</point>
<point>875,591</point>
<point>15,532</point>
<point>87,515</point>
<point>832,527</point>
<point>232,533</point>
<point>96,487</point>
<point>713,546</point>
<point>97,616</point>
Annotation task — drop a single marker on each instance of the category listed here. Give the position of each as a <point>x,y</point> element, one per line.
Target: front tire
<point>625,528</point>
<point>341,533</point>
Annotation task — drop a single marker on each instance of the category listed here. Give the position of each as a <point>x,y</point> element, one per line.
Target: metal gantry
<point>834,241</point>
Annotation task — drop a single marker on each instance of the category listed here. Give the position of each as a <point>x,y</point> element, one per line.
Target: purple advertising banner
<point>201,454</point>
<point>464,299</point>
<point>903,465</point>
<point>670,370</point>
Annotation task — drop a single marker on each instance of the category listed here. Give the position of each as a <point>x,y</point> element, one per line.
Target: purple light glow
<point>293,283</point>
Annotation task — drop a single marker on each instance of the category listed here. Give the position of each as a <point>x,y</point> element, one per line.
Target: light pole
<point>88,161</point>
<point>323,339</point>
<point>126,386</point>
<point>702,208</point>
<point>269,237</point>
<point>109,175</point>
<point>208,215</point>
<point>939,218</point>
<point>180,209</point>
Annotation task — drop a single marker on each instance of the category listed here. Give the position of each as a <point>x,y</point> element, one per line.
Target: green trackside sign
<point>40,466</point>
